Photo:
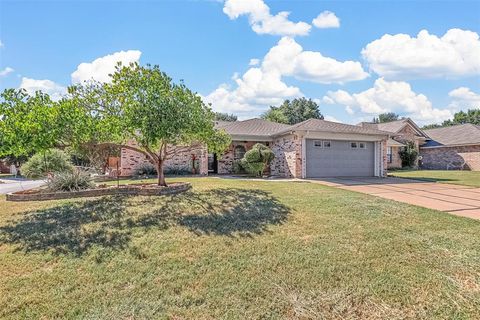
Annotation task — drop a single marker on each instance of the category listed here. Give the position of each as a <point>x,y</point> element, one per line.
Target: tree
<point>142,105</point>
<point>387,117</point>
<point>295,111</point>
<point>409,154</point>
<point>220,116</point>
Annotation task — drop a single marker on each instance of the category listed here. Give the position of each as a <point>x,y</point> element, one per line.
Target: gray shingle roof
<point>454,135</point>
<point>252,127</point>
<point>329,126</point>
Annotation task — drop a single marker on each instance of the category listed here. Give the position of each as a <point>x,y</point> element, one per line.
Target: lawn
<point>466,178</point>
<point>233,249</point>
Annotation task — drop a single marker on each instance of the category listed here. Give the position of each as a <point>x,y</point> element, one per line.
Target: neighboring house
<point>448,148</point>
<point>401,132</point>
<point>455,147</point>
<point>313,148</point>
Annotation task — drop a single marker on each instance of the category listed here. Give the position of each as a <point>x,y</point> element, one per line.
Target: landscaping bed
<point>102,190</point>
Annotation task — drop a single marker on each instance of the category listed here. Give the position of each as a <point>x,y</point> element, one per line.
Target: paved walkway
<point>14,185</point>
<point>459,200</point>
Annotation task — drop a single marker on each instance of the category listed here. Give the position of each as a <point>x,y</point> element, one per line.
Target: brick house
<point>448,148</point>
<point>313,148</point>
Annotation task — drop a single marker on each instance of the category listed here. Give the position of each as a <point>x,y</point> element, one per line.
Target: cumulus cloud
<point>262,21</point>
<point>254,62</point>
<point>54,90</point>
<point>464,98</point>
<point>263,85</point>
<point>326,19</point>
<point>100,68</point>
<point>455,54</point>
<point>390,96</point>
<point>6,71</point>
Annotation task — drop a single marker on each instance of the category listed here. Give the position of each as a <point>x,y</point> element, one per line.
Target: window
<point>362,145</point>
<point>327,144</point>
<point>389,155</point>
<point>353,145</point>
<point>318,143</point>
<point>238,152</point>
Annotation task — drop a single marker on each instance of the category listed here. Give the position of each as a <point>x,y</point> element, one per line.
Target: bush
<point>237,167</point>
<point>145,169</point>
<point>70,181</point>
<point>257,159</point>
<point>409,155</point>
<point>51,161</point>
<point>178,170</point>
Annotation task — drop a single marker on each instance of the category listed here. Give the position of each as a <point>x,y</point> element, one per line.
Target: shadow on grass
<point>111,222</point>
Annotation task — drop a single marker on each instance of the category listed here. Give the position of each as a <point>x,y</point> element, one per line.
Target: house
<point>455,147</point>
<point>447,148</point>
<point>312,148</point>
<point>401,132</point>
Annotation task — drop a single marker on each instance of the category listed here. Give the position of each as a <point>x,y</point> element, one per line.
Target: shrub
<point>257,159</point>
<point>54,161</point>
<point>409,155</point>
<point>178,170</point>
<point>237,167</point>
<point>70,181</point>
<point>145,169</point>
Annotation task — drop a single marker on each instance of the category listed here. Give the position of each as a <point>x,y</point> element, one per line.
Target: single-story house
<point>455,147</point>
<point>310,149</point>
<point>448,148</point>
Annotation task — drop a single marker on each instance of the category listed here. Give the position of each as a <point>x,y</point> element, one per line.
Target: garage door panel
<point>339,160</point>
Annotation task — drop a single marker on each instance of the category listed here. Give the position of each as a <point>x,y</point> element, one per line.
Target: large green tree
<point>295,111</point>
<point>141,109</point>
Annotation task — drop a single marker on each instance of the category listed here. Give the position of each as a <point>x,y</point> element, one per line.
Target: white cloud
<point>254,62</point>
<point>6,71</point>
<point>262,86</point>
<point>455,54</point>
<point>326,19</point>
<point>261,21</point>
<point>463,98</point>
<point>333,119</point>
<point>1,43</point>
<point>54,90</point>
<point>391,96</point>
<point>100,68</point>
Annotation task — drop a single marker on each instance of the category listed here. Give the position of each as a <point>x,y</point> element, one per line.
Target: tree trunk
<point>160,174</point>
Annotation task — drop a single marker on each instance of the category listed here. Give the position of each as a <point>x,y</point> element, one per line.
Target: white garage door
<point>336,158</point>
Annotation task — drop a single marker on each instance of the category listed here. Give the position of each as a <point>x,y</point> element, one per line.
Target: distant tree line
<point>471,116</point>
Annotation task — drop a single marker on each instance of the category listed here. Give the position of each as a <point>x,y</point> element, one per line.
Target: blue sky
<point>210,44</point>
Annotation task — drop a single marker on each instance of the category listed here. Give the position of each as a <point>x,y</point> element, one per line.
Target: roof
<point>393,126</point>
<point>394,143</point>
<point>463,134</point>
<point>252,127</point>
<point>329,126</point>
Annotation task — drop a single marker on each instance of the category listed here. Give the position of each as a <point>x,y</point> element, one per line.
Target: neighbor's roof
<point>329,126</point>
<point>251,127</point>
<point>392,126</point>
<point>463,134</point>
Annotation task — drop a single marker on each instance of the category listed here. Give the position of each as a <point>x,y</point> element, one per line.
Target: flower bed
<point>133,189</point>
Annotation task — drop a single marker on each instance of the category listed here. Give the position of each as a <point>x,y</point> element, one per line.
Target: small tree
<point>256,160</point>
<point>387,117</point>
<point>295,111</point>
<point>409,154</point>
<point>221,116</point>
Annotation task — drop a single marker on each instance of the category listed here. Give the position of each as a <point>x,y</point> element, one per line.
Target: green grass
<point>233,249</point>
<point>466,178</point>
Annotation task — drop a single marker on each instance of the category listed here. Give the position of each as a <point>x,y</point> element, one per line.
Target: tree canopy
<point>141,104</point>
<point>295,111</point>
<point>221,116</point>
<point>386,117</point>
<point>471,116</point>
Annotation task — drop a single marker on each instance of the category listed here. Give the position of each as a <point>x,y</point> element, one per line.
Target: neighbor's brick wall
<point>451,158</point>
<point>288,157</point>
<point>181,159</point>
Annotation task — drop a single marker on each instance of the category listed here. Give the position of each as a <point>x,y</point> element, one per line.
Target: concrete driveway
<point>18,184</point>
<point>459,200</point>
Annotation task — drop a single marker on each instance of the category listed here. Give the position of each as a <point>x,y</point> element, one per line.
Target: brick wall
<point>225,163</point>
<point>396,160</point>
<point>181,159</point>
<point>4,168</point>
<point>288,157</point>
<point>464,157</point>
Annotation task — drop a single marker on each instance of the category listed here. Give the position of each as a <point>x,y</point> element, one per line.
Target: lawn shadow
<point>112,222</point>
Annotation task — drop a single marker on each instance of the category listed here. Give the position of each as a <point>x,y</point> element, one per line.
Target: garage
<point>338,158</point>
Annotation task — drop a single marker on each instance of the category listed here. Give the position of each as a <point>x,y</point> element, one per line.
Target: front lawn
<point>233,249</point>
<point>466,178</point>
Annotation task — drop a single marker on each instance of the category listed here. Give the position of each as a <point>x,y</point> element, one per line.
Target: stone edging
<point>124,190</point>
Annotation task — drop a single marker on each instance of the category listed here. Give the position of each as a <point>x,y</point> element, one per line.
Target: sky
<point>356,59</point>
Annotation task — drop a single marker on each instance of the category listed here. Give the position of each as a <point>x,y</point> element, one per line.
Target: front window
<point>389,155</point>
<point>239,152</point>
<point>353,145</point>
